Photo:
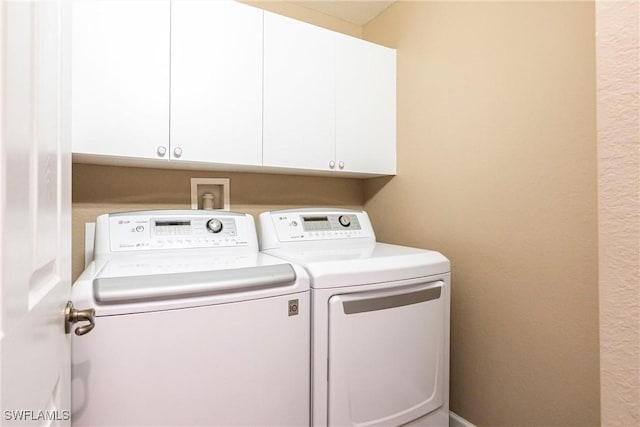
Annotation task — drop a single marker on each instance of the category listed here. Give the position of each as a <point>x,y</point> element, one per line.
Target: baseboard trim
<point>456,420</point>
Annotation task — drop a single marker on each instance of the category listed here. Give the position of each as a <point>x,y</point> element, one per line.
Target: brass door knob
<point>71,316</point>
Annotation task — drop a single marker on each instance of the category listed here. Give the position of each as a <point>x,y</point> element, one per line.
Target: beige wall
<point>618,74</point>
<point>497,169</point>
<point>103,189</point>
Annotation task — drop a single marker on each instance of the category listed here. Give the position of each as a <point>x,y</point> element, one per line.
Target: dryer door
<point>386,355</point>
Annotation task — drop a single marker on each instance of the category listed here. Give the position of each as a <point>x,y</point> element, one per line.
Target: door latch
<point>71,316</point>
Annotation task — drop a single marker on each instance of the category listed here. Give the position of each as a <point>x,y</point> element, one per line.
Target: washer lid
<point>377,263</point>
<point>156,262</point>
<point>130,289</point>
<point>157,281</point>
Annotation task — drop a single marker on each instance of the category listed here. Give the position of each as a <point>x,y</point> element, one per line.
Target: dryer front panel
<point>386,354</point>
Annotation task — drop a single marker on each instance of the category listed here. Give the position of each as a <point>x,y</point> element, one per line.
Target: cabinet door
<point>120,77</point>
<point>299,94</point>
<point>365,106</point>
<point>216,82</point>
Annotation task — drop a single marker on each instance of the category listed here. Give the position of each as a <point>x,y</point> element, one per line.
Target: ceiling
<point>357,12</point>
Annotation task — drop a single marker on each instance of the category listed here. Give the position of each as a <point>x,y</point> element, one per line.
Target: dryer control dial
<point>214,225</point>
<point>344,220</point>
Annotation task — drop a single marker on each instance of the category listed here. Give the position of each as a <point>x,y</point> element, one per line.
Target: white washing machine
<point>193,326</point>
<point>380,319</point>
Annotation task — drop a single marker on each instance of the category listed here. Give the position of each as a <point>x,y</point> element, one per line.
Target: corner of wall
<point>310,16</point>
<point>618,93</point>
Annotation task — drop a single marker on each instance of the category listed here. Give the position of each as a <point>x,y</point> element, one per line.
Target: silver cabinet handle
<point>162,151</point>
<point>177,152</point>
<point>341,165</point>
<point>71,316</point>
<point>332,164</point>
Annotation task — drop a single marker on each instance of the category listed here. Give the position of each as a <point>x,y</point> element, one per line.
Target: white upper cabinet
<point>221,84</point>
<point>299,94</point>
<point>329,100</point>
<point>120,78</point>
<point>216,82</point>
<point>365,106</point>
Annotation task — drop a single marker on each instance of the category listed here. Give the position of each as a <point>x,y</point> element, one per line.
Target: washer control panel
<point>303,226</point>
<point>136,231</point>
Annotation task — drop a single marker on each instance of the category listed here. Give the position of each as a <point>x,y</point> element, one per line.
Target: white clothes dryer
<point>380,319</point>
<point>194,327</point>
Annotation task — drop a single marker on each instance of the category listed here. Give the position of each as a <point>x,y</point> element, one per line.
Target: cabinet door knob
<point>177,152</point>
<point>332,164</point>
<point>341,165</point>
<point>162,151</point>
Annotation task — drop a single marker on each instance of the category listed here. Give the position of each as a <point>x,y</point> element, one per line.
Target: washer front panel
<point>242,363</point>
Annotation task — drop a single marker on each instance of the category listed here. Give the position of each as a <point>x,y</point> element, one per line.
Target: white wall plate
<point>218,187</point>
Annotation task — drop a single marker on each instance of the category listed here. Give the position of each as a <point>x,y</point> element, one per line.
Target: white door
<point>299,94</point>
<point>365,106</point>
<point>387,355</point>
<point>35,187</point>
<point>216,82</point>
<point>121,78</point>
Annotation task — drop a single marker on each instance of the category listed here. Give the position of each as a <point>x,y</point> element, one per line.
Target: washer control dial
<point>214,225</point>
<point>344,220</point>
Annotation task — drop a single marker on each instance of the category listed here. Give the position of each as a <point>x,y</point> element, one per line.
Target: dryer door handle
<point>380,300</point>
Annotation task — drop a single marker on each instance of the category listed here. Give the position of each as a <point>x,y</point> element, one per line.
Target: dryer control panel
<point>314,225</point>
<point>150,230</point>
